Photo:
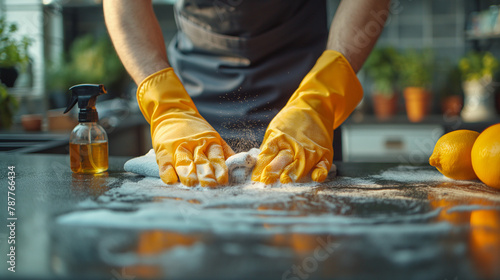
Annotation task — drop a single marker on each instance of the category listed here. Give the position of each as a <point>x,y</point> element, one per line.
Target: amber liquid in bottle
<point>89,158</point>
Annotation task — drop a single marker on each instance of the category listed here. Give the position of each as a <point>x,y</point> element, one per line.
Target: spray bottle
<point>88,143</point>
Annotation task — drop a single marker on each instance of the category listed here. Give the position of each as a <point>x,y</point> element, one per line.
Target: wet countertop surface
<point>382,221</point>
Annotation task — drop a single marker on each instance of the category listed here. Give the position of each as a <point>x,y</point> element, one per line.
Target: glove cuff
<point>333,75</point>
<point>163,91</point>
<point>331,56</point>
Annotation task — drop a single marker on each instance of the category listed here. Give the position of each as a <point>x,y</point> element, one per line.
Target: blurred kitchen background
<point>433,70</point>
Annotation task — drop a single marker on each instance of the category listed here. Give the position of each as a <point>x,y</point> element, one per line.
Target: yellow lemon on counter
<point>486,156</point>
<point>452,154</point>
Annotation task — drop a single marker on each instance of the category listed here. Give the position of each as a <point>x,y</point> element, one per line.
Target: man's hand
<point>187,148</point>
<point>299,139</point>
<point>296,142</point>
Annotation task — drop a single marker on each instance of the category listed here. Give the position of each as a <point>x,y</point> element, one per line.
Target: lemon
<point>452,154</point>
<point>486,156</point>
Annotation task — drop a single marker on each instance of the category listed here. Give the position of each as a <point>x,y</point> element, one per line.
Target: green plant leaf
<point>380,68</point>
<point>475,65</point>
<point>13,52</point>
<point>416,68</point>
<point>88,61</point>
<point>8,106</point>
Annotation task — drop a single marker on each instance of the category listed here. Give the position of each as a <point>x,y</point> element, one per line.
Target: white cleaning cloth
<point>144,165</point>
<point>240,166</point>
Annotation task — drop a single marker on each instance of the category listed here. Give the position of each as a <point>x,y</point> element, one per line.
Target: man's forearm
<point>137,36</point>
<point>356,27</point>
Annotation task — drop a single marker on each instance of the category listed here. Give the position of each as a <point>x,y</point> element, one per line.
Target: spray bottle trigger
<point>71,103</point>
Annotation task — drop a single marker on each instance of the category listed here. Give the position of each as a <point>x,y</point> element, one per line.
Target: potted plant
<point>8,106</point>
<point>88,61</point>
<point>380,68</point>
<point>451,92</point>
<point>478,69</point>
<point>13,53</point>
<point>415,72</point>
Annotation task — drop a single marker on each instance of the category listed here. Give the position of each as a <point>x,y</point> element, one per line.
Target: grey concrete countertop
<point>380,221</point>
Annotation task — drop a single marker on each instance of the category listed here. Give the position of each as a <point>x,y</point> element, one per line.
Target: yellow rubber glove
<point>187,147</point>
<point>300,137</point>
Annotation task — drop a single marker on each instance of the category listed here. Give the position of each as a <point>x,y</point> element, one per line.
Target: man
<point>243,63</point>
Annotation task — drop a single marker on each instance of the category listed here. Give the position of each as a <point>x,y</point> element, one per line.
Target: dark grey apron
<point>241,60</point>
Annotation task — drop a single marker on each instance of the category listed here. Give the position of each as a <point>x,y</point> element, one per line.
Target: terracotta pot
<point>417,103</point>
<point>60,121</point>
<point>451,105</point>
<point>32,122</point>
<point>385,106</point>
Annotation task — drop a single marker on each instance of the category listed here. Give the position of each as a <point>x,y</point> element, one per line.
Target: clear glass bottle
<point>88,142</point>
<point>88,148</point>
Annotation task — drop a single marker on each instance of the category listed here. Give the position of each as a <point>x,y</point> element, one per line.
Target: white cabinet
<point>404,143</point>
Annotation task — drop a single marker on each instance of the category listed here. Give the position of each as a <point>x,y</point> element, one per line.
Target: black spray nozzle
<point>85,95</point>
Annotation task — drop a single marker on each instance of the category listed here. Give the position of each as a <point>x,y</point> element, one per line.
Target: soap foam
<point>411,174</point>
<point>245,208</point>
<point>240,167</point>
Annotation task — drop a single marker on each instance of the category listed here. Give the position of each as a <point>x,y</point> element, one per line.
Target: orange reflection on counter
<point>155,242</point>
<point>485,241</point>
<point>303,243</point>
<point>454,218</point>
<point>162,198</point>
<point>300,243</point>
<point>484,236</point>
